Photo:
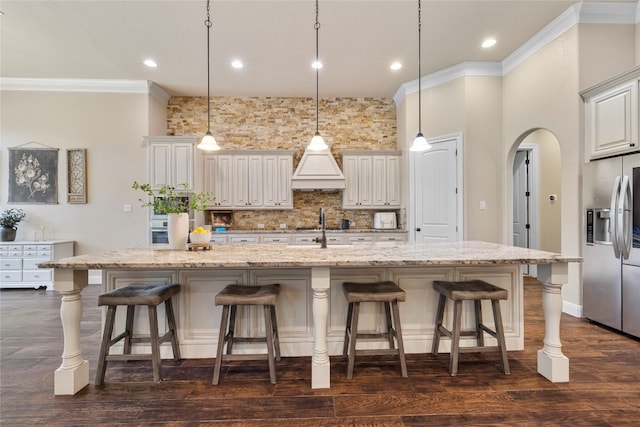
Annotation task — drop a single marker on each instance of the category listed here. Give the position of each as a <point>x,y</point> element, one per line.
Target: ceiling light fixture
<point>317,143</point>
<point>488,43</point>
<point>237,64</point>
<point>395,66</point>
<point>208,142</point>
<point>150,63</point>
<point>420,143</point>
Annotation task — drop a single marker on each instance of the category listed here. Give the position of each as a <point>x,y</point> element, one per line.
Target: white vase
<point>178,230</point>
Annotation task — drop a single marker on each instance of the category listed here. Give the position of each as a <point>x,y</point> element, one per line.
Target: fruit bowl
<point>200,236</point>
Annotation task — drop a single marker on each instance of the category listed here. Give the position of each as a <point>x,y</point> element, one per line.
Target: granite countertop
<point>383,254</point>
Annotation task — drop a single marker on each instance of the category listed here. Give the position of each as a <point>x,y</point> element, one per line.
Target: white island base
<point>311,308</point>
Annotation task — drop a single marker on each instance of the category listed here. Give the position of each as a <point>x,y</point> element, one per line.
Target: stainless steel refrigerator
<point>611,244</point>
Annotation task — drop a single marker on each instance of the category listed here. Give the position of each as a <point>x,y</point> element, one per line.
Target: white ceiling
<point>276,40</point>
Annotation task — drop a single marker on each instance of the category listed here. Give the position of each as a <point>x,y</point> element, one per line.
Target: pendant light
<point>208,142</point>
<point>420,143</point>
<point>317,143</point>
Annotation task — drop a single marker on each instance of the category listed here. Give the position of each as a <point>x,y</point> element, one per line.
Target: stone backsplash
<point>288,124</point>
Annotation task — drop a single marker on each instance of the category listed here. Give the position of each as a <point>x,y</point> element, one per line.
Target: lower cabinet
<point>19,263</point>
<point>198,317</point>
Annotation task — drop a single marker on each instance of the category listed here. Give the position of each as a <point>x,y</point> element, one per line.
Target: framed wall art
<point>77,175</point>
<point>33,174</point>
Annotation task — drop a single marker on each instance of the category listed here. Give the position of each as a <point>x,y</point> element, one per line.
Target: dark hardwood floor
<point>604,388</point>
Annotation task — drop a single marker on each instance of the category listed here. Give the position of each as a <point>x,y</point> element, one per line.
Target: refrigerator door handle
<point>623,220</point>
<point>613,221</point>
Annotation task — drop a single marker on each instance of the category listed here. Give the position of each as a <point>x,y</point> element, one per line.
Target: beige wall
<point>110,127</point>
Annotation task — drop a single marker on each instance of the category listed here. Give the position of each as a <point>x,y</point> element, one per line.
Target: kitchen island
<point>311,309</point>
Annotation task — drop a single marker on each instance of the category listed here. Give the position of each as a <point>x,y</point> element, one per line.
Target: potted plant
<point>167,200</point>
<point>9,221</point>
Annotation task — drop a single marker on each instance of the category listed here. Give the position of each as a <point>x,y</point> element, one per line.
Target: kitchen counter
<point>312,308</point>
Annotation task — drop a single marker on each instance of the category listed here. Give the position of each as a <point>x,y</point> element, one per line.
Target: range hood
<point>318,170</point>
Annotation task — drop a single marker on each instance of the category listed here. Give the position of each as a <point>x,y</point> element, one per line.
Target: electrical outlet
<point>483,205</point>
<point>283,226</point>
<point>126,208</point>
<point>261,226</point>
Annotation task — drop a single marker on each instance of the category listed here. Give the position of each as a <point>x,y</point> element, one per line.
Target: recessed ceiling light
<point>488,43</point>
<point>316,64</point>
<point>396,66</point>
<point>237,64</point>
<point>150,63</point>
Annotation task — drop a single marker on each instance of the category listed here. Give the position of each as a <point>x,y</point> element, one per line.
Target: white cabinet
<point>19,263</point>
<point>277,181</point>
<point>247,181</point>
<point>171,161</point>
<point>611,116</point>
<point>255,180</point>
<point>372,179</point>
<point>218,180</point>
<point>386,181</point>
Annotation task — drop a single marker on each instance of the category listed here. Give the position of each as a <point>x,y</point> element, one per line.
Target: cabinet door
<point>285,171</point>
<point>171,163</point>
<point>612,121</point>
<point>217,179</point>
<point>379,181</point>
<point>240,181</point>
<point>277,181</point>
<point>160,165</point>
<point>255,181</point>
<point>365,181</point>
<point>393,181</point>
<point>350,198</point>
<point>182,165</point>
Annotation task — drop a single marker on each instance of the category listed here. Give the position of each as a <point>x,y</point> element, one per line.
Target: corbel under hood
<point>317,170</point>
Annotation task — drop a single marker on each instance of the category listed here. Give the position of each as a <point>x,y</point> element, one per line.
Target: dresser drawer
<point>10,276</point>
<point>32,263</point>
<point>41,275</point>
<point>11,264</point>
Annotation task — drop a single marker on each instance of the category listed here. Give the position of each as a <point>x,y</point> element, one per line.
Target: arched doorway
<point>536,192</point>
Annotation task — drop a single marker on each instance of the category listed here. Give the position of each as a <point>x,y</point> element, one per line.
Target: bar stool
<point>385,292</point>
<point>230,298</point>
<point>132,296</point>
<point>476,291</point>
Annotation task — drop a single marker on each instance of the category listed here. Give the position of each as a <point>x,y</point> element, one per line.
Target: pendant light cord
<point>208,24</point>
<point>419,68</point>
<point>317,27</point>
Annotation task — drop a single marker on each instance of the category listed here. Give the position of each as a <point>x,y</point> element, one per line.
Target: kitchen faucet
<point>323,222</point>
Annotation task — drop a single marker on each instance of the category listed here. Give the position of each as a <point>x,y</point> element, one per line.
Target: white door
<point>525,203</point>
<point>436,192</point>
<point>521,197</point>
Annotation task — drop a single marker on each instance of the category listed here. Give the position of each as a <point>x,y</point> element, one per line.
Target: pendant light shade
<point>317,142</point>
<point>208,142</point>
<point>420,143</point>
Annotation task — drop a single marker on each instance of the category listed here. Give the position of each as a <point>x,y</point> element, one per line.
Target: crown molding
<point>84,85</point>
<point>579,13</point>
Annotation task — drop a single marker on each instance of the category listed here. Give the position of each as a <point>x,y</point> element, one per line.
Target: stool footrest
<point>127,357</point>
<point>485,349</point>
<point>232,357</point>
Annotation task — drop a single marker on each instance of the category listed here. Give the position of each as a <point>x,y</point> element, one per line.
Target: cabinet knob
<point>418,229</point>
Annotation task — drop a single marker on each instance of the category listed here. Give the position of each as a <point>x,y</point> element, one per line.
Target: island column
<point>73,374</point>
<point>320,366</point>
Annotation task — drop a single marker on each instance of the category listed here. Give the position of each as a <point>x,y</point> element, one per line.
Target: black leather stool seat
<point>476,291</point>
<point>132,296</point>
<point>387,293</point>
<point>230,298</point>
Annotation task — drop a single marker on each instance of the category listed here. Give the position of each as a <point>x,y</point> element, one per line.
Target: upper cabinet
<point>259,180</point>
<point>372,179</point>
<point>611,116</point>
<point>171,161</point>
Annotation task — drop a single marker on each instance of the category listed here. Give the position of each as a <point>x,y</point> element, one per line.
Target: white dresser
<point>19,262</point>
